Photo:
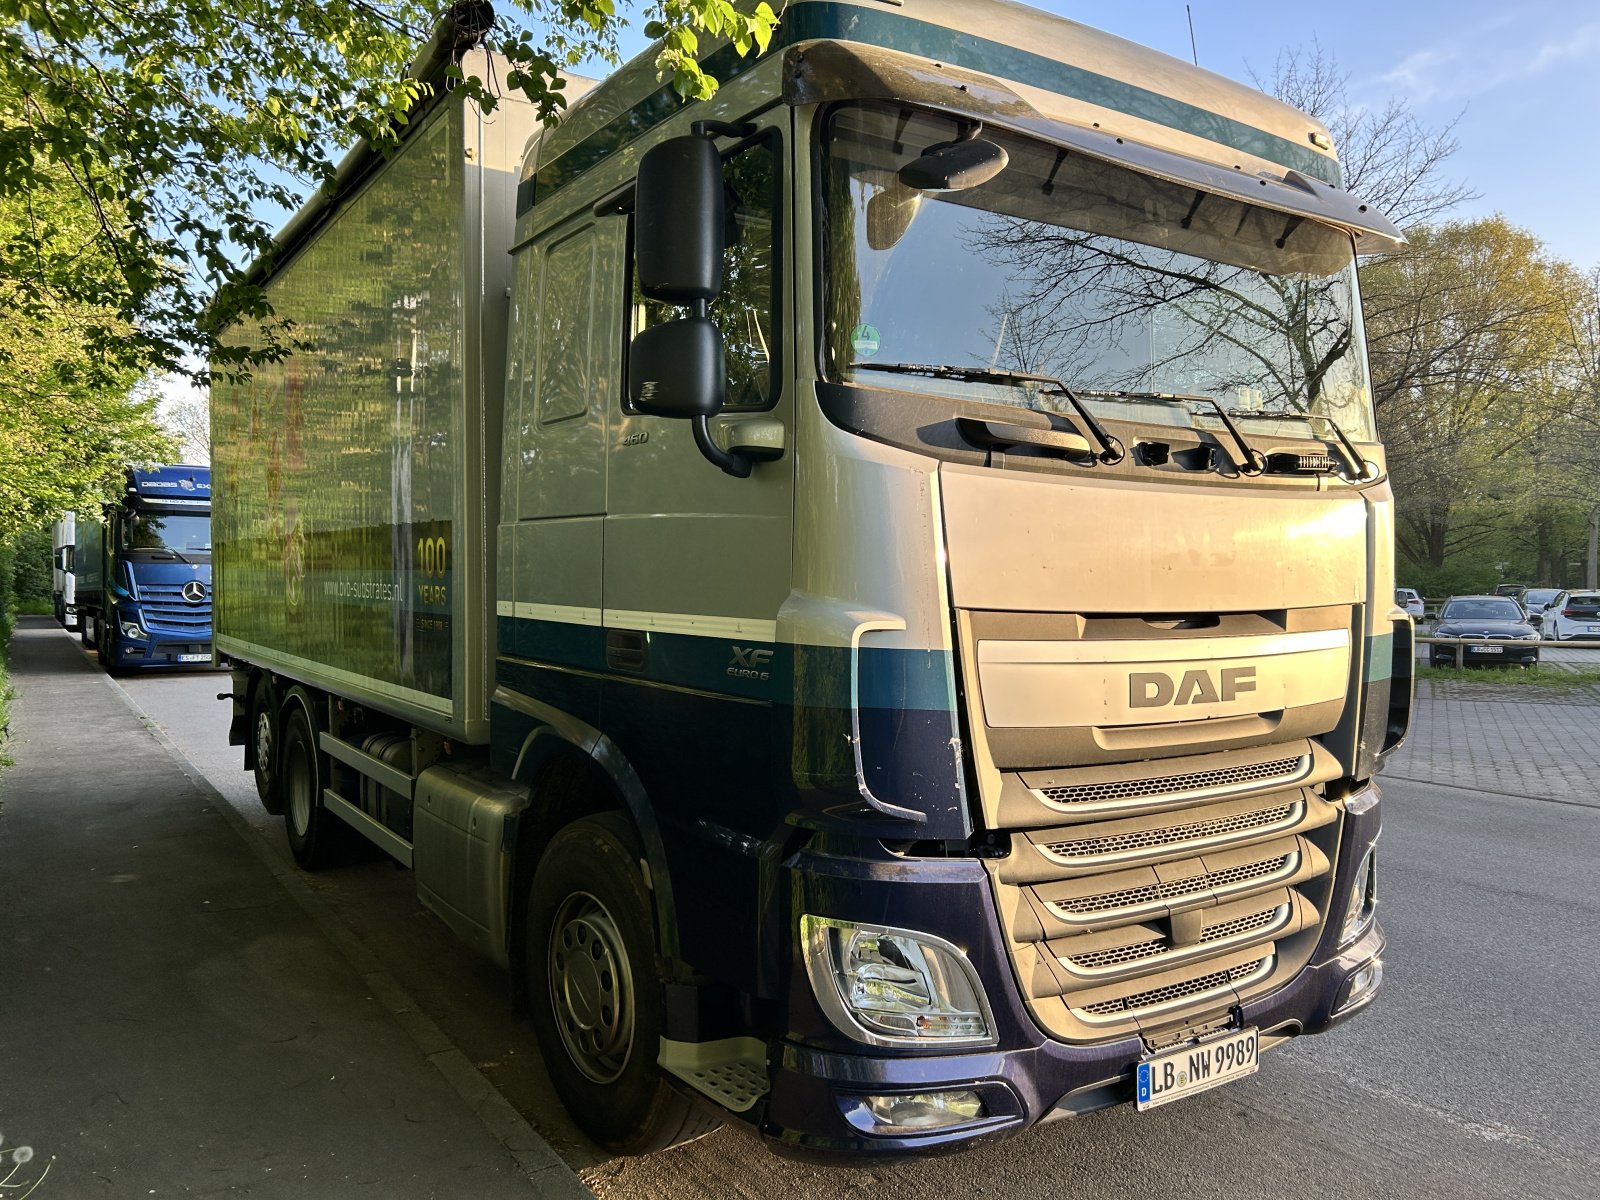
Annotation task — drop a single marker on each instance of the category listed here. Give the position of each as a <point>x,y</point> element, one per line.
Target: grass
<point>5,688</point>
<point>1536,676</point>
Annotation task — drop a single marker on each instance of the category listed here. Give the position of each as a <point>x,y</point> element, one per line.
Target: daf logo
<point>1153,689</point>
<point>194,592</point>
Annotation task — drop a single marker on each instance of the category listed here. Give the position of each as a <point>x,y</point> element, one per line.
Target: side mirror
<point>681,221</point>
<point>678,369</point>
<point>680,234</point>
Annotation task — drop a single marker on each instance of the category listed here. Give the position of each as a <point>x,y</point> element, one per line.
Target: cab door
<point>697,564</point>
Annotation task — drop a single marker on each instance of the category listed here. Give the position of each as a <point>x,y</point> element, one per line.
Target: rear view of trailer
<point>353,549</point>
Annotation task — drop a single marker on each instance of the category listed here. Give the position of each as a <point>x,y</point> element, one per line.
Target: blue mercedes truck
<point>142,570</point>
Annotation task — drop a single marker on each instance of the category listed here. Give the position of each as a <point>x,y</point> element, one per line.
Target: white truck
<point>870,594</point>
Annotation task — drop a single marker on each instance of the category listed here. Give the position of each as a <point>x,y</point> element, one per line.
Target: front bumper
<point>1028,1077</point>
<point>162,650</point>
<point>1520,654</point>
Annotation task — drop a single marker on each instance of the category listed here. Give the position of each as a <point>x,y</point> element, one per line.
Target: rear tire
<point>264,733</point>
<point>317,838</point>
<point>596,997</point>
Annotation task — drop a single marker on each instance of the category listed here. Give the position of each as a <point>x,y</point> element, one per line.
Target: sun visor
<point>820,71</point>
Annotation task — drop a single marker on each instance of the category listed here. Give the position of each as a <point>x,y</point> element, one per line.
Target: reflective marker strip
<point>749,628</point>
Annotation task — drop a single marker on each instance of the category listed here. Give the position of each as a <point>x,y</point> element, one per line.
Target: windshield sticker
<point>865,340</point>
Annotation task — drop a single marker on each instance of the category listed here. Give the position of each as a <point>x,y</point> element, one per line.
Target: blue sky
<point>1522,80</point>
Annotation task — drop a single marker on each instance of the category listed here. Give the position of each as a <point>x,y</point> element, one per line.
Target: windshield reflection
<point>1129,288</point>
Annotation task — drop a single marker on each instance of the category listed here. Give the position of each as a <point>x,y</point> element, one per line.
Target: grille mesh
<point>1194,885</point>
<point>1192,781</point>
<point>1175,991</point>
<point>1143,839</point>
<point>1118,955</point>
<point>1239,926</point>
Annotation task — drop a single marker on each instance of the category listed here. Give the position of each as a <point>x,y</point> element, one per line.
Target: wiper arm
<point>1111,450</point>
<point>1347,451</point>
<point>1253,461</point>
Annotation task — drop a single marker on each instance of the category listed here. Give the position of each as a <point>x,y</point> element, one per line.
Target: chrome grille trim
<point>1176,893</point>
<point>1157,953</point>
<point>1271,819</point>
<point>1177,995</point>
<point>1190,785</point>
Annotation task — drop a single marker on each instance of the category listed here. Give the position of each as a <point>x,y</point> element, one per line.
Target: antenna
<point>1193,50</point>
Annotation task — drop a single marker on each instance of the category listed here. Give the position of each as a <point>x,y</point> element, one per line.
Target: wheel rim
<point>264,744</point>
<point>298,783</point>
<point>591,987</point>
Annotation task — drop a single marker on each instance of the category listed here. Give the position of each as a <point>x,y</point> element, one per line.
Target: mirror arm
<point>734,464</point>
<point>741,129</point>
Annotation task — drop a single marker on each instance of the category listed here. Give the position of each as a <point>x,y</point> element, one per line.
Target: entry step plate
<point>1190,1070</point>
<point>733,1071</point>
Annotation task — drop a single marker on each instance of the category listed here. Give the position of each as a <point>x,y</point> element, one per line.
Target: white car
<point>1573,615</point>
<point>1408,599</point>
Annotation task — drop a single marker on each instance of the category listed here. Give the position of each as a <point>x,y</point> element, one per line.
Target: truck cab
<point>144,572</point>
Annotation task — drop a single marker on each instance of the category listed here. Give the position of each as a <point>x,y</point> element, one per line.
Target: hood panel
<point>1032,543</point>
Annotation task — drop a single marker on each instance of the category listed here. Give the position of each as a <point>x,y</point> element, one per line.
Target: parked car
<point>1410,600</point>
<point>1535,601</point>
<point>1498,619</point>
<point>1573,615</point>
<point>1510,589</point>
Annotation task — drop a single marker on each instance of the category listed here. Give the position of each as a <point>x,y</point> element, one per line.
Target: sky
<point>1521,80</point>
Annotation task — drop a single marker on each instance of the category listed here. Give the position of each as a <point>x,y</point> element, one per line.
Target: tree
<point>69,421</point>
<point>1387,155</point>
<point>179,125</point>
<point>1466,335</point>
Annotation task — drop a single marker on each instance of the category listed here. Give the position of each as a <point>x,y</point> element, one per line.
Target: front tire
<point>596,996</point>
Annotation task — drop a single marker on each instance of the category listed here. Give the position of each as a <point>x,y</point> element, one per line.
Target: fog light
<point>912,1114</point>
<point>1360,987</point>
<point>1363,904</point>
<point>134,631</point>
<point>894,987</point>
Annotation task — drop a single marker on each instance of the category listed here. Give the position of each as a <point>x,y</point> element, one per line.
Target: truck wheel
<point>104,646</point>
<point>315,836</point>
<point>596,998</point>
<point>264,724</point>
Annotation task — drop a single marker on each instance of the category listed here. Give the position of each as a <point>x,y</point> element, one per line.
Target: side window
<point>747,310</point>
<point>566,323</point>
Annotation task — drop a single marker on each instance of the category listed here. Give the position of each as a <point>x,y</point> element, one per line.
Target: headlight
<point>1531,636</point>
<point>1363,904</point>
<point>894,987</point>
<point>134,630</point>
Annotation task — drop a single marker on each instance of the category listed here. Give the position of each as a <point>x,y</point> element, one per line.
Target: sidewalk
<point>172,1020</point>
<point>1524,741</point>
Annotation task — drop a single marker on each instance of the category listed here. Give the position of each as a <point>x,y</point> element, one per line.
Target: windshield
<point>184,533</point>
<point>1067,266</point>
<point>1539,597</point>
<point>1488,608</point>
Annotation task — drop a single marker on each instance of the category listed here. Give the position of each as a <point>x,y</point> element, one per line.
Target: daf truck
<point>142,572</point>
<point>871,595</point>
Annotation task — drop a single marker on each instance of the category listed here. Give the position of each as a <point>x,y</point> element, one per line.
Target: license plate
<point>1488,649</point>
<point>1592,629</point>
<point>205,658</point>
<point>1179,1073</point>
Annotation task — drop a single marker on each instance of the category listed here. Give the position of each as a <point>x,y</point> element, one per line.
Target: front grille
<point>1097,960</point>
<point>1191,887</point>
<point>1200,985</point>
<point>1254,820</point>
<point>165,608</point>
<point>1220,779</point>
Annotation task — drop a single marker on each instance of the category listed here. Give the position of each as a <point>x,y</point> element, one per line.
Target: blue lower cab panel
<point>819,1076</point>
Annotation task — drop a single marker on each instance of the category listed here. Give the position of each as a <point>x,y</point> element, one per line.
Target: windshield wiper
<point>1111,450</point>
<point>174,553</point>
<point>1356,466</point>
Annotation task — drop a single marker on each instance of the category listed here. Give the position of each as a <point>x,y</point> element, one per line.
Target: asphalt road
<point>1474,1074</point>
